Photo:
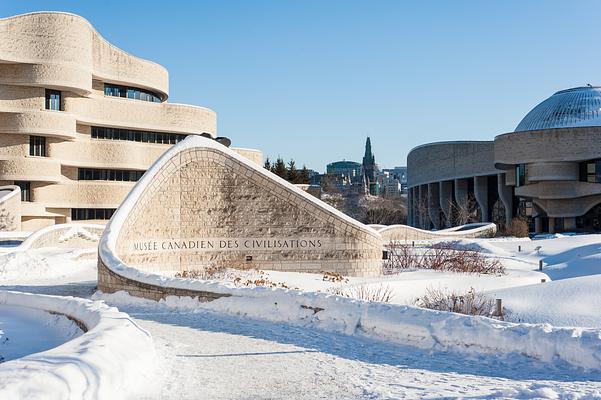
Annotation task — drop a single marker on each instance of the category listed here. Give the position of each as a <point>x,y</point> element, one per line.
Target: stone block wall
<point>208,207</point>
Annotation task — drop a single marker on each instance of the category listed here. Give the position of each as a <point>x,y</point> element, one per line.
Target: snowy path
<point>209,355</point>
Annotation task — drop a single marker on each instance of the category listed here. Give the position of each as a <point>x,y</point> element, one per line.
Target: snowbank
<point>113,359</point>
<point>407,325</point>
<point>566,302</point>
<point>47,266</point>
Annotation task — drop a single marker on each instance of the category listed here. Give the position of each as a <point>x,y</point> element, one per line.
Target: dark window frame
<point>25,187</point>
<point>53,100</point>
<point>131,92</point>
<point>37,146</point>
<point>131,135</point>
<point>105,174</point>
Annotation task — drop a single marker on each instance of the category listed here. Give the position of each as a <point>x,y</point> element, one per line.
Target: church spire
<point>369,162</point>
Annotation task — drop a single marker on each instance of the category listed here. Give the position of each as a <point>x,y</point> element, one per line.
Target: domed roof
<point>580,106</point>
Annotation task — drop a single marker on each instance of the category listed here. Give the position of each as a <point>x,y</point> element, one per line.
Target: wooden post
<point>540,265</point>
<point>499,308</point>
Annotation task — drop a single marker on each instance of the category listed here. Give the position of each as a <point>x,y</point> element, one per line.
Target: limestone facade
<point>203,205</point>
<point>45,141</point>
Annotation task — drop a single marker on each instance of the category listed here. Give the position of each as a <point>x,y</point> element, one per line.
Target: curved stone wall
<point>408,233</point>
<point>10,208</point>
<point>69,236</point>
<point>550,145</point>
<point>60,51</point>
<point>203,205</point>
<point>443,161</point>
<point>71,52</point>
<point>445,178</point>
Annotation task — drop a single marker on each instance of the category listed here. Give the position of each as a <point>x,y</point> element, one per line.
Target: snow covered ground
<point>208,354</point>
<point>26,331</point>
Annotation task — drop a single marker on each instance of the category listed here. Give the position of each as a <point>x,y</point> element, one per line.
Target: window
<point>53,100</point>
<point>78,214</point>
<point>25,190</point>
<point>37,146</point>
<point>99,132</point>
<point>590,171</point>
<point>96,174</point>
<point>130,93</point>
<point>521,175</point>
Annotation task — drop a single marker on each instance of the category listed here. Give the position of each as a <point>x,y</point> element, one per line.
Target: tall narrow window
<point>521,177</point>
<point>53,100</point>
<point>37,146</point>
<point>25,190</point>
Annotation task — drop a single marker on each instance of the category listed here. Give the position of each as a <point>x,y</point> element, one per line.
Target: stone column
<point>445,199</point>
<point>410,207</point>
<point>461,194</point>
<point>569,224</point>
<point>434,204</point>
<point>506,196</point>
<point>538,224</point>
<point>551,225</point>
<point>481,194</point>
<point>420,207</point>
<point>461,187</point>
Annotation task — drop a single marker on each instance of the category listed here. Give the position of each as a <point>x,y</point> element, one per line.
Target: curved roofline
<point>344,161</point>
<point>165,95</point>
<point>549,129</point>
<point>91,26</point>
<point>576,88</point>
<point>450,142</point>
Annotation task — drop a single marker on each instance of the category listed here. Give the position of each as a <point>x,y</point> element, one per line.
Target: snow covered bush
<point>380,293</point>
<point>469,303</point>
<point>440,257</point>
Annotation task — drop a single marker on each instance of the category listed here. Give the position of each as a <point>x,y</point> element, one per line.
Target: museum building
<point>548,171</point>
<point>81,120</point>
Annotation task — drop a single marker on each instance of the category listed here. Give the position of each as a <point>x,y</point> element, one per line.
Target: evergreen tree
<point>267,164</point>
<point>292,172</point>
<point>279,168</point>
<point>303,176</point>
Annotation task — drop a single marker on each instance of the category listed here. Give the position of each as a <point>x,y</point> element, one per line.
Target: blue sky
<point>310,80</point>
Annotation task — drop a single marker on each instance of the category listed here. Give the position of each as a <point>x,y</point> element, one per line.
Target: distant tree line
<point>288,171</point>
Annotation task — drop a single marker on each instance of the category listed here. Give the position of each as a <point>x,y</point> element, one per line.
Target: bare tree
<point>464,212</point>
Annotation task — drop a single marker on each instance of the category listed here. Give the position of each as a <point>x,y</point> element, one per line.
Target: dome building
<point>548,170</point>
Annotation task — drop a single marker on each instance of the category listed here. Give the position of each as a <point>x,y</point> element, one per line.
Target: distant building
<point>548,170</point>
<point>399,173</point>
<point>390,185</point>
<point>349,169</point>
